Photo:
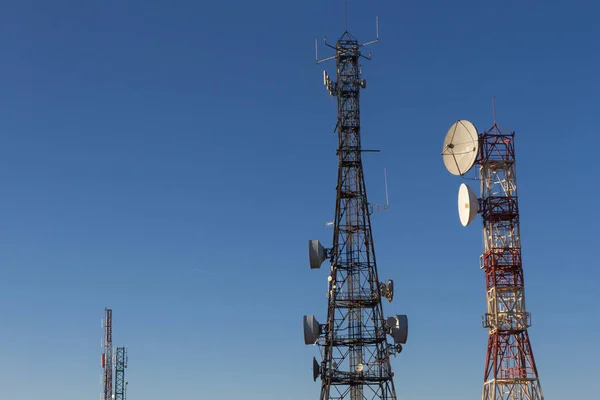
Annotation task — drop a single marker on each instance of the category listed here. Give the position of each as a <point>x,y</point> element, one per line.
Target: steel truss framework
<point>510,371</point>
<point>356,355</point>
<point>108,357</point>
<point>121,364</point>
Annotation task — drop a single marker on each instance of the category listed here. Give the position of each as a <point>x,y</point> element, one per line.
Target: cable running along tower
<point>353,343</point>
<point>510,370</point>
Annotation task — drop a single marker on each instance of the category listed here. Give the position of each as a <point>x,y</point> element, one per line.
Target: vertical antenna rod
<point>387,199</point>
<point>346,15</point>
<point>353,342</point>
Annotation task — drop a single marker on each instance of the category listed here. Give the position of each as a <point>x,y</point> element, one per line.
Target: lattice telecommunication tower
<point>353,343</point>
<point>107,357</point>
<point>120,365</point>
<point>510,370</point>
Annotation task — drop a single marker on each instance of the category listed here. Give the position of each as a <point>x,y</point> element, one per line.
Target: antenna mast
<point>346,15</point>
<point>353,342</point>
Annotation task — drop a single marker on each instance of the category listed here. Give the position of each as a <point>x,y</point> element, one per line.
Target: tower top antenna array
<point>353,341</point>
<point>346,38</point>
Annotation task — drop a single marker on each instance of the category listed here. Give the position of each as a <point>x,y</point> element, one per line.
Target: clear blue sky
<point>170,160</point>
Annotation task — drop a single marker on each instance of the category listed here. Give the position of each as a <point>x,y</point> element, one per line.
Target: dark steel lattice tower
<point>121,364</point>
<point>510,372</point>
<point>353,341</point>
<point>107,355</point>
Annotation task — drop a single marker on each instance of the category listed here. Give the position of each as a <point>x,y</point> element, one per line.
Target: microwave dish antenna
<point>468,204</point>
<point>461,146</point>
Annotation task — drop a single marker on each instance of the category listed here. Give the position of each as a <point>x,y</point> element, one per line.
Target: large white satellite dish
<point>461,146</point>
<point>468,204</point>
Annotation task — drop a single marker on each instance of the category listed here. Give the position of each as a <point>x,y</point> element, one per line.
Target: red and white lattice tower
<point>510,369</point>
<point>107,357</point>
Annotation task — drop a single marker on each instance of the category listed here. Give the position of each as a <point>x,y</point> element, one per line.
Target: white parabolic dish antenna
<point>468,206</point>
<point>461,146</point>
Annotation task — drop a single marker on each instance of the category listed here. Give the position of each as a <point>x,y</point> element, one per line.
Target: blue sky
<point>170,160</point>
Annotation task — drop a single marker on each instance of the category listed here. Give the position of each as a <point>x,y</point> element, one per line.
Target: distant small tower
<point>510,370</point>
<point>353,341</point>
<point>107,357</point>
<point>107,361</point>
<point>120,365</point>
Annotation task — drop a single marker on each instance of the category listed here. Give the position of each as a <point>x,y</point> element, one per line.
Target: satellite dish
<point>312,329</point>
<point>398,325</point>
<point>468,204</point>
<point>316,369</point>
<point>316,254</point>
<point>461,146</point>
<point>359,368</point>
